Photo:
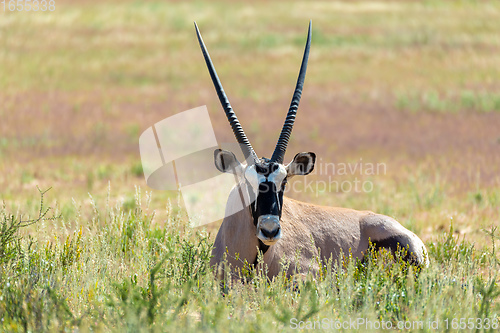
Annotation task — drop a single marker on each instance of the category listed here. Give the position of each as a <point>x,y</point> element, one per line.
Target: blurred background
<point>414,85</point>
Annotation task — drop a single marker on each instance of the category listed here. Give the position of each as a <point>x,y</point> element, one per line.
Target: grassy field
<point>414,86</point>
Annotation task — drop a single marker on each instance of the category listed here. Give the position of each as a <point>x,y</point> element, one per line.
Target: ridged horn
<point>279,151</point>
<point>231,116</point>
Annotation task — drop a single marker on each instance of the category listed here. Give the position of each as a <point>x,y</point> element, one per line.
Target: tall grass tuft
<point>128,271</point>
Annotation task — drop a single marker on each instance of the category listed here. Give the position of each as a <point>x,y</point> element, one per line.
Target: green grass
<point>413,85</point>
<point>431,45</point>
<point>466,100</point>
<point>124,272</point>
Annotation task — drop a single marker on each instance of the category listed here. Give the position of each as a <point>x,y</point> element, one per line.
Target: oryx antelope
<point>281,227</point>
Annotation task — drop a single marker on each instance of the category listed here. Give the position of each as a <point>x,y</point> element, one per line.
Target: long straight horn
<point>231,116</point>
<point>279,151</point>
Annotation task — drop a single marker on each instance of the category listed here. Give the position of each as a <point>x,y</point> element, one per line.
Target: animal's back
<point>336,231</point>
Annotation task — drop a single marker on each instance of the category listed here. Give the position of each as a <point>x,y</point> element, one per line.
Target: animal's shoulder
<point>311,206</point>
<point>302,211</point>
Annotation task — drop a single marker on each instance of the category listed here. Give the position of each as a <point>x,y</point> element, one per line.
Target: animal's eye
<point>284,182</point>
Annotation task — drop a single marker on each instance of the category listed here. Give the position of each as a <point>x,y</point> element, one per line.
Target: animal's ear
<point>225,161</point>
<point>302,164</point>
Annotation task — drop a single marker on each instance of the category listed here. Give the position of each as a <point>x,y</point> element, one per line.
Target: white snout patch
<point>269,223</point>
<point>255,178</point>
<point>277,176</point>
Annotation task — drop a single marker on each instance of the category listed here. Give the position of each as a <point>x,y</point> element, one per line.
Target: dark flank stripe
<point>394,243</point>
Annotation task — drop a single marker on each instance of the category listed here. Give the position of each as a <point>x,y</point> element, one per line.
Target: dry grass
<point>412,85</point>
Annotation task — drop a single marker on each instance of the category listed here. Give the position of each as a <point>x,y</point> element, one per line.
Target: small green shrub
<point>127,271</point>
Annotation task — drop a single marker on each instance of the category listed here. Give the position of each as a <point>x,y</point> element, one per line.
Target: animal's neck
<point>243,221</point>
<point>262,248</point>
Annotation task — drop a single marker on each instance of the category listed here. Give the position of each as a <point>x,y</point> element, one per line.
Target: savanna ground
<point>412,85</point>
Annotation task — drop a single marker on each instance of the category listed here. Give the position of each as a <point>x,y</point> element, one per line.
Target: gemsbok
<point>286,229</point>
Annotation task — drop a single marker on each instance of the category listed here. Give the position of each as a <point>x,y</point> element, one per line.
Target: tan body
<point>307,228</point>
<point>284,228</point>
